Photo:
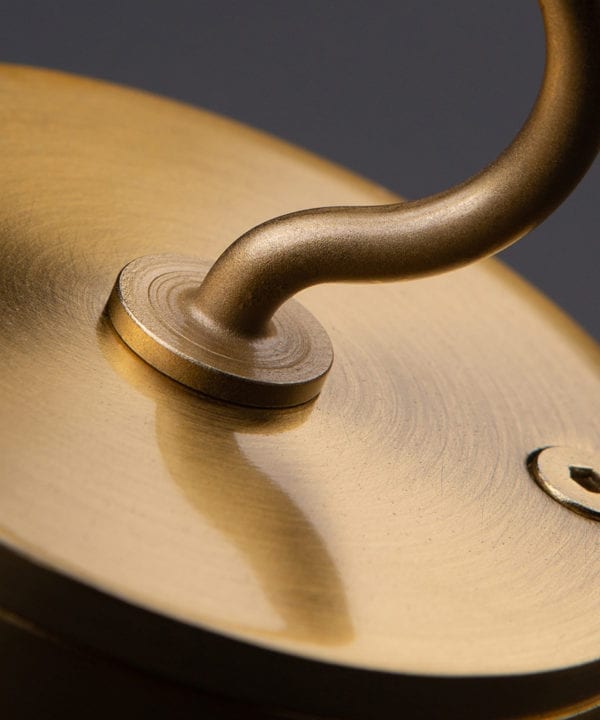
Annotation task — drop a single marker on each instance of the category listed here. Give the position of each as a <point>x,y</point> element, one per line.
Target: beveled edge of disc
<point>151,310</point>
<point>85,618</point>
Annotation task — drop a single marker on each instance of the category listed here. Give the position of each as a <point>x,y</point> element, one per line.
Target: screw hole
<point>588,478</point>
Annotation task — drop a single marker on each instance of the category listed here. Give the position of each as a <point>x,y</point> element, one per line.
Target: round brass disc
<point>152,309</point>
<point>390,527</point>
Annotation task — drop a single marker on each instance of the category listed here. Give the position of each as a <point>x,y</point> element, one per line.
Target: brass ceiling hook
<point>421,541</point>
<point>229,335</point>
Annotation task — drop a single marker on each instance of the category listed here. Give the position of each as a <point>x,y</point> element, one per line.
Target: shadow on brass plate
<point>240,500</point>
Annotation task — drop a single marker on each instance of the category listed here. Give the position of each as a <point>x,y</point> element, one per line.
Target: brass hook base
<point>222,336</point>
<point>153,310</point>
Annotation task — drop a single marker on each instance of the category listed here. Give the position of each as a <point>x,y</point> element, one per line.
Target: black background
<point>414,94</point>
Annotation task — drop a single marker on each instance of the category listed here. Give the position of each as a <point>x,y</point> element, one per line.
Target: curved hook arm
<point>559,141</point>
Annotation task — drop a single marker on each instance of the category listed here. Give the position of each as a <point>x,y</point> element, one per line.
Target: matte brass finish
<point>270,263</point>
<point>382,550</point>
<point>152,309</point>
<point>570,476</point>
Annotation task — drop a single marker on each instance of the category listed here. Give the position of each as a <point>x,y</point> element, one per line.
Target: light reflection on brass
<point>198,442</point>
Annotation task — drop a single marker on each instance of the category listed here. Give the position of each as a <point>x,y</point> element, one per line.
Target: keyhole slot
<point>587,477</point>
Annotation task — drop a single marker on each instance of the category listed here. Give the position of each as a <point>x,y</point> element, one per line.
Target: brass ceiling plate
<point>390,526</point>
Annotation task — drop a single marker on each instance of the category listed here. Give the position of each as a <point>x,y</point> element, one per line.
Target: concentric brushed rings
<point>152,307</point>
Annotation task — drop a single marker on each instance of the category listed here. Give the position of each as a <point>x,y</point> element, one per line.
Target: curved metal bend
<point>559,141</point>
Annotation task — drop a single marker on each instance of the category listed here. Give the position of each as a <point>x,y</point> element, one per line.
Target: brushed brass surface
<point>387,539</point>
<point>232,313</point>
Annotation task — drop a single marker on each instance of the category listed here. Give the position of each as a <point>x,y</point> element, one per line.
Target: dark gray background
<point>414,94</point>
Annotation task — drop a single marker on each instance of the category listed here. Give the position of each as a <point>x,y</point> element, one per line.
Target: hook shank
<point>557,144</point>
